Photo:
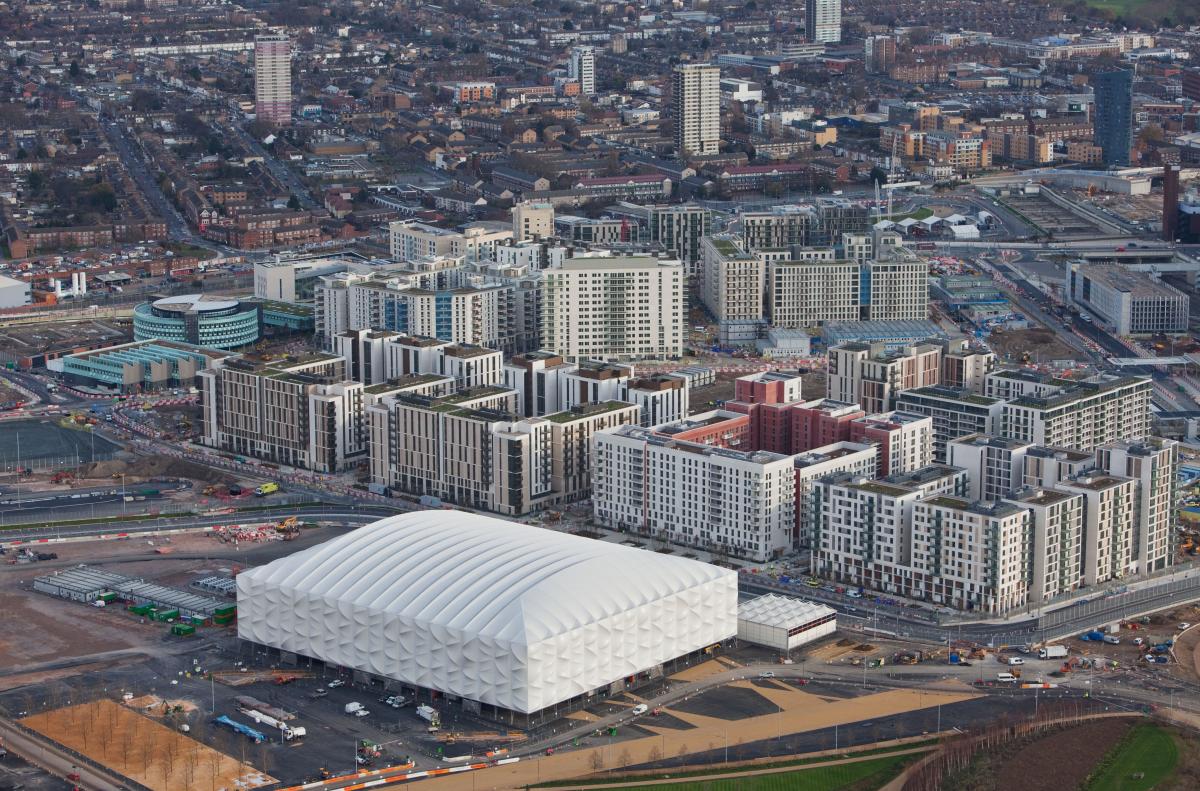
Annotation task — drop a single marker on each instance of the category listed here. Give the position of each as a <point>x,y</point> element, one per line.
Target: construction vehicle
<point>430,715</point>
<point>62,476</point>
<point>266,489</point>
<point>238,727</point>
<point>290,528</point>
<point>289,731</point>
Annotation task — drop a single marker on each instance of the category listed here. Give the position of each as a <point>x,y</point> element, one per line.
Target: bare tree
<point>655,755</point>
<point>596,760</point>
<point>624,759</point>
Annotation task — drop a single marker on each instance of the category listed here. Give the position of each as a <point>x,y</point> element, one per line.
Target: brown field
<point>143,750</point>
<point>1061,760</point>
<point>1041,343</point>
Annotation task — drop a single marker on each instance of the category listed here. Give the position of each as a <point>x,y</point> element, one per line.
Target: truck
<point>247,702</point>
<point>1053,652</point>
<point>289,731</point>
<point>266,488</point>
<point>430,715</point>
<point>238,727</point>
<point>1093,636</point>
<point>353,707</point>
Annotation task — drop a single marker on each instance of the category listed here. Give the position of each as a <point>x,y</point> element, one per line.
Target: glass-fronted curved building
<point>199,319</point>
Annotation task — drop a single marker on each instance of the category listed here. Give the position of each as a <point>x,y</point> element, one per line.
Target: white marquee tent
<point>509,615</point>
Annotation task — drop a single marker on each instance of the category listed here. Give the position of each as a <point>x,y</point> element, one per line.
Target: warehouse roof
<point>781,611</point>
<point>484,576</point>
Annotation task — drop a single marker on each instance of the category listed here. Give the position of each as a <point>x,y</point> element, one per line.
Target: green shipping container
<point>229,609</point>
<point>182,629</point>
<point>223,620</point>
<point>166,615</point>
<point>141,609</point>
<point>108,596</point>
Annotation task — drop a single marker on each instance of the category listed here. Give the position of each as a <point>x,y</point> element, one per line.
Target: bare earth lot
<point>142,749</point>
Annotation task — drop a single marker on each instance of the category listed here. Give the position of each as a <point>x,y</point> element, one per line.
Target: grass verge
<point>864,775</point>
<point>715,772</point>
<point>1147,750</point>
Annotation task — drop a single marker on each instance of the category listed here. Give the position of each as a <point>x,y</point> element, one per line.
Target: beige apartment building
<point>616,308</point>
<point>301,412</point>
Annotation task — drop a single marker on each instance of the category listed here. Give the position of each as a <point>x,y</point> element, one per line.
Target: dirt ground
<point>1061,760</point>
<point>69,629</point>
<point>155,467</point>
<point>143,750</point>
<point>1041,343</point>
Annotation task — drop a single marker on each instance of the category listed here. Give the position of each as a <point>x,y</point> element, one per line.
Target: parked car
<point>640,708</point>
<point>767,674</point>
<point>337,682</point>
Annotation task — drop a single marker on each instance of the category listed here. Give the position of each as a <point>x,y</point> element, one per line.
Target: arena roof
<point>460,571</point>
<point>494,611</point>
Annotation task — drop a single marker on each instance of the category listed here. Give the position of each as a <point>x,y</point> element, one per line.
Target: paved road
<point>57,760</point>
<point>280,171</point>
<point>131,158</point>
<point>361,515</point>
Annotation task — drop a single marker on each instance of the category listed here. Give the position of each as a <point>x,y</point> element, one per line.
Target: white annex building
<point>512,619</point>
<point>784,623</point>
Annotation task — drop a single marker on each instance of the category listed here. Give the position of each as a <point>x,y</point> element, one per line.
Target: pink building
<point>819,423</point>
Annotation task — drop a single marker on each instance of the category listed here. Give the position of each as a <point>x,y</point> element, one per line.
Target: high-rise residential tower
<point>823,21</point>
<point>273,79</point>
<point>696,107</point>
<point>1114,115</point>
<point>583,69</point>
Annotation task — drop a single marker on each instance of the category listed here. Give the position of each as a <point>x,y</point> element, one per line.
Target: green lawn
<point>866,775</point>
<point>1149,750</point>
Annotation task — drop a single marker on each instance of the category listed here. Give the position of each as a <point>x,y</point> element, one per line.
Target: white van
<point>1006,678</point>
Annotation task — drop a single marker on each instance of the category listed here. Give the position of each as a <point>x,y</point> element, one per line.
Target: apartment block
<point>273,79</point>
<point>712,498</point>
<point>970,554</point>
<point>822,422</point>
<point>465,448</point>
<point>614,308</point>
<point>571,442</point>
<point>412,239</point>
<point>1056,522</point>
<point>538,379</point>
<point>874,375</point>
<point>458,314</point>
<point>956,412</point>
<point>808,293</point>
<point>896,290</point>
<point>302,412</point>
<point>1109,518</point>
<point>1082,415</point>
<point>863,532</point>
<point>856,459</point>
<point>995,465</point>
<point>905,440</point>
<point>532,221</point>
<point>732,283</point>
<point>374,357</point>
<point>659,398</point>
<point>1153,463</point>
<point>696,109</point>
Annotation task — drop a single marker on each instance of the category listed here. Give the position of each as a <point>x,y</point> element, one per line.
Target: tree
<point>144,101</point>
<point>293,203</point>
<point>74,70</point>
<point>879,175</point>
